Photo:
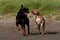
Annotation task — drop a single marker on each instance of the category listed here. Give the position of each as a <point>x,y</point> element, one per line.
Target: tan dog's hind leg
<point>43,27</point>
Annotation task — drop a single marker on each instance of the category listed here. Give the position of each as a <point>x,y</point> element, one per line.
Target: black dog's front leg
<point>28,27</point>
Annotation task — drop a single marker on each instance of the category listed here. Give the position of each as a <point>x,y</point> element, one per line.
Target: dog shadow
<point>51,33</point>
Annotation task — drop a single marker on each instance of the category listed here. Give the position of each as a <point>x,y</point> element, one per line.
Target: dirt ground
<point>8,31</point>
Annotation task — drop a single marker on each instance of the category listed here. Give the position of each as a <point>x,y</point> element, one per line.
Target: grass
<point>46,7</point>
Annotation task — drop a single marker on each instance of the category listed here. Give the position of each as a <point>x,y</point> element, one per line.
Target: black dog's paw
<point>18,29</point>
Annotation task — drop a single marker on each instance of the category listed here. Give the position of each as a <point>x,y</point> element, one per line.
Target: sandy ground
<point>8,31</point>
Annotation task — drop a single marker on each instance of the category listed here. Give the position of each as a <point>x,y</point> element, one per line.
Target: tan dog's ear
<point>35,11</point>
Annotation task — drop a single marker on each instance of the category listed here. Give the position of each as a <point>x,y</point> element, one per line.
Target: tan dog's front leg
<point>43,27</point>
<point>35,23</point>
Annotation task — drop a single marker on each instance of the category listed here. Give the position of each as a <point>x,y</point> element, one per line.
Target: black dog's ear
<point>22,6</point>
<point>26,8</point>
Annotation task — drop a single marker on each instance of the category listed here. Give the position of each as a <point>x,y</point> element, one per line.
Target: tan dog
<point>39,20</point>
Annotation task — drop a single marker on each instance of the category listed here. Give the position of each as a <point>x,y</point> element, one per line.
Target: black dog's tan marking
<point>22,19</point>
<point>39,20</point>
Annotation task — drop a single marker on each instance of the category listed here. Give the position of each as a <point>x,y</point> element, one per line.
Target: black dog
<point>22,19</point>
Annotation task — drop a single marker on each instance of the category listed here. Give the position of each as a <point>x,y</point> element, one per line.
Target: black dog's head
<point>25,11</point>
<point>22,12</point>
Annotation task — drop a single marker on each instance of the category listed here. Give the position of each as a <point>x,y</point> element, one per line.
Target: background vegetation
<point>46,7</point>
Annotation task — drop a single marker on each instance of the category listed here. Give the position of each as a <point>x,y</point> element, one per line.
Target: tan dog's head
<point>35,11</point>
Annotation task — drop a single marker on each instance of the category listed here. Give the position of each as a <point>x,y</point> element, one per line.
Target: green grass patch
<point>46,7</point>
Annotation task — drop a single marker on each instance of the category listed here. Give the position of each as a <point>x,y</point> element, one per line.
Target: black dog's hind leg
<point>23,29</point>
<point>17,24</point>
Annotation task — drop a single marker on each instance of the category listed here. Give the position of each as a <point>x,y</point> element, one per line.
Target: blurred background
<point>48,8</point>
